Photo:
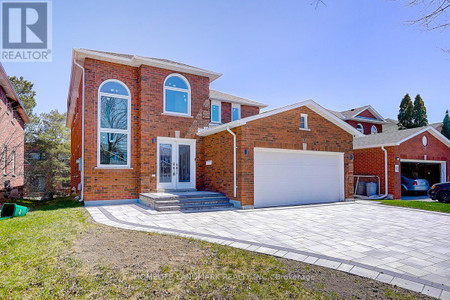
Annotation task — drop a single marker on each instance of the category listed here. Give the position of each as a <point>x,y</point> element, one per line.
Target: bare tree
<point>434,13</point>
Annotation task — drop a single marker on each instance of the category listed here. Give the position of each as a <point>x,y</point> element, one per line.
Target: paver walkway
<point>406,247</point>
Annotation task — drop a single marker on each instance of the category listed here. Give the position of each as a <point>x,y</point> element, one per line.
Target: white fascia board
<point>372,110</point>
<point>309,103</point>
<point>136,61</point>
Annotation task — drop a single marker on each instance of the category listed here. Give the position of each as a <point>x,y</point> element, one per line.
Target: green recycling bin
<point>10,210</point>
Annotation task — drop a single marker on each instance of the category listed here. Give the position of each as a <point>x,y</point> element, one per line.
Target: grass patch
<point>40,259</point>
<point>433,206</point>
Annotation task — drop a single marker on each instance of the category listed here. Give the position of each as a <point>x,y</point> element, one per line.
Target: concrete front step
<point>186,201</point>
<point>195,207</point>
<point>189,201</point>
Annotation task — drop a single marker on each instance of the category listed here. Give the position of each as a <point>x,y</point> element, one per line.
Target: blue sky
<point>347,54</point>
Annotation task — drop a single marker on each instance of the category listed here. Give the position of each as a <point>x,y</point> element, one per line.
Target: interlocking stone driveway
<point>406,247</point>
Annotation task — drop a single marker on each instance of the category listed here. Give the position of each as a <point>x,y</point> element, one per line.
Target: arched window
<point>360,128</point>
<point>373,130</point>
<point>177,95</point>
<point>114,124</point>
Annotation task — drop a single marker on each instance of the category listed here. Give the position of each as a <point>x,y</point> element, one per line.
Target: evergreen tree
<point>405,115</point>
<point>446,127</point>
<point>419,112</point>
<point>24,90</point>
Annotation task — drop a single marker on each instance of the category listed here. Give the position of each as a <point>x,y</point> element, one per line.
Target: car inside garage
<point>430,171</point>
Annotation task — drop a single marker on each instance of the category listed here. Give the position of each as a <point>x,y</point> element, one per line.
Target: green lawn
<point>433,206</point>
<point>39,259</point>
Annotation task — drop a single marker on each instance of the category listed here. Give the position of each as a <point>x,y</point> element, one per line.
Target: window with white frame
<point>216,111</point>
<point>373,130</point>
<point>235,111</point>
<point>5,151</point>
<point>360,128</point>
<point>304,121</point>
<point>177,95</point>
<point>114,124</point>
<point>13,163</point>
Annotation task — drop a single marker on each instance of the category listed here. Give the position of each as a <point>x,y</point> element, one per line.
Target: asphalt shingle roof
<point>384,138</point>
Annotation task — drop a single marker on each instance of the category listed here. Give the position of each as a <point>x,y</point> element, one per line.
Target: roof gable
<point>364,114</point>
<point>308,103</point>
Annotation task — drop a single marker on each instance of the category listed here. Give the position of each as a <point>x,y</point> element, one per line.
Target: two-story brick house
<point>12,123</point>
<point>142,125</point>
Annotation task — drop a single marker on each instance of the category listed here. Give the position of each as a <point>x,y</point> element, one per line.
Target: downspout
<point>82,130</point>
<point>234,160</point>
<point>386,185</point>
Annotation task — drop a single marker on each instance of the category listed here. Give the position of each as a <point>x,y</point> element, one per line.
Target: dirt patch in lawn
<point>140,253</point>
<point>347,286</point>
<point>135,250</point>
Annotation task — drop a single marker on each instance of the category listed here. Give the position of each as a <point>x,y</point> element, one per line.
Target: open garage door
<point>291,177</point>
<point>432,171</point>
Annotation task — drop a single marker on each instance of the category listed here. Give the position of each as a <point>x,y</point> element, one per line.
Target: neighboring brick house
<point>365,119</point>
<point>418,153</point>
<point>12,123</point>
<point>144,125</point>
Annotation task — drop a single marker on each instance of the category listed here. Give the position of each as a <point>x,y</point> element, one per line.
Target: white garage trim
<point>441,162</point>
<point>286,191</point>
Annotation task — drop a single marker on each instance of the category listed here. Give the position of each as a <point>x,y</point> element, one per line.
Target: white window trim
<point>238,106</point>
<point>13,163</point>
<point>109,130</point>
<point>372,129</point>
<point>165,112</point>
<point>306,128</point>
<point>362,128</point>
<point>5,152</point>
<point>219,104</point>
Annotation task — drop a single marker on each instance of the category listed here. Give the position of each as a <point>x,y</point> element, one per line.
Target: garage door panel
<point>297,177</point>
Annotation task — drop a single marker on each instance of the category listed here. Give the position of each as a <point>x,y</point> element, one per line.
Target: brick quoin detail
<point>277,131</point>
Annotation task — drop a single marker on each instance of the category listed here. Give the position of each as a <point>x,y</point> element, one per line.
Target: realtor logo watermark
<point>26,31</point>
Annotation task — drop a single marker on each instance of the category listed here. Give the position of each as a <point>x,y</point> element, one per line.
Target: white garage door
<point>288,177</point>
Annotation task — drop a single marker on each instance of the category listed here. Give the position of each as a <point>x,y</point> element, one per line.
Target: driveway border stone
<point>101,215</point>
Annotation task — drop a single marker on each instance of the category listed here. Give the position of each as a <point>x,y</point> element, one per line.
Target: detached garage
<point>297,154</point>
<point>293,177</point>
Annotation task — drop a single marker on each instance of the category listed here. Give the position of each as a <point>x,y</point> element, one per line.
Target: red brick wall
<point>75,136</point>
<point>11,136</point>
<point>367,114</point>
<point>147,122</point>
<point>246,111</point>
<point>367,126</point>
<point>435,150</point>
<point>277,131</point>
<point>371,161</point>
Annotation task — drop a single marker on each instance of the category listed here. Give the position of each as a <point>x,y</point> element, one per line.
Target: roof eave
<point>257,104</point>
<point>11,93</point>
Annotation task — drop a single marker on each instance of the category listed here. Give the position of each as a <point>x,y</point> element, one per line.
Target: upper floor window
<point>360,128</point>
<point>177,95</point>
<point>304,121</point>
<point>235,111</point>
<point>215,111</point>
<point>13,163</point>
<point>114,124</point>
<point>4,154</point>
<point>373,130</point>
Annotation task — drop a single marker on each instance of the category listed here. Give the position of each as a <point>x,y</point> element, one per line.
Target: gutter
<point>82,130</point>
<point>234,161</point>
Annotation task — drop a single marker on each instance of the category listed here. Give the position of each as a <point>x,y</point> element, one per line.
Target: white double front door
<point>176,163</point>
